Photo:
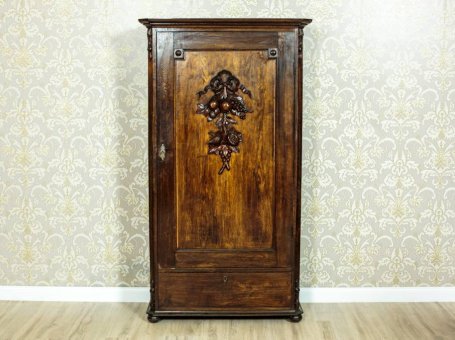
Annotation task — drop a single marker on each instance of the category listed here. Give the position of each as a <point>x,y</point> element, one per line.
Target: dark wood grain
<point>224,291</point>
<point>225,244</point>
<point>234,258</point>
<point>215,22</point>
<point>152,135</point>
<point>214,40</point>
<point>298,70</point>
<point>286,152</point>
<point>165,168</point>
<point>234,210</point>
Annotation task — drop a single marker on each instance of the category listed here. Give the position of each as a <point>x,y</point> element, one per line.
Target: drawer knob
<point>225,278</point>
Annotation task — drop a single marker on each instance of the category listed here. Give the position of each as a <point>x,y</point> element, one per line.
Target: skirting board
<point>82,294</point>
<point>307,295</point>
<point>377,294</point>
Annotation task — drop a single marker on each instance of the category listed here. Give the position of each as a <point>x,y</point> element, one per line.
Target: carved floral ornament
<point>222,107</point>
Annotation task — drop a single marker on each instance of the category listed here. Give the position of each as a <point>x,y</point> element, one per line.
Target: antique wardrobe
<point>225,105</point>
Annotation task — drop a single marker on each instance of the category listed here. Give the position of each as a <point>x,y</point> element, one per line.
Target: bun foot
<point>153,318</point>
<point>295,318</point>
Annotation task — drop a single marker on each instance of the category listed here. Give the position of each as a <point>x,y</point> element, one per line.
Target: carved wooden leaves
<point>222,107</point>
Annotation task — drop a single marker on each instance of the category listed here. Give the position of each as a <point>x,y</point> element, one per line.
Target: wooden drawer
<point>224,291</point>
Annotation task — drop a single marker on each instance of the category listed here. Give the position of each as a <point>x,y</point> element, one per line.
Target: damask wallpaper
<point>379,139</point>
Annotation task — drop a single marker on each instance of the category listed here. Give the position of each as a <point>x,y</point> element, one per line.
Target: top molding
<point>255,22</point>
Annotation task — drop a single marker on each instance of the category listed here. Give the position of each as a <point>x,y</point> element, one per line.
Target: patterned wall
<point>379,139</point>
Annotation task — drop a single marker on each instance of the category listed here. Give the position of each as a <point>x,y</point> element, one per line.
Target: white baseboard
<point>95,294</point>
<point>307,295</point>
<point>377,294</point>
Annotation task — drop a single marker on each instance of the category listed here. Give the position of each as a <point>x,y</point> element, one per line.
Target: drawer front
<point>224,291</point>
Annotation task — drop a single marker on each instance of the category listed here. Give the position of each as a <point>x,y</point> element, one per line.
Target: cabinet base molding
<point>291,315</point>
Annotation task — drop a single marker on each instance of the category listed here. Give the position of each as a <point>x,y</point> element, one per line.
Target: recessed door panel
<point>233,209</point>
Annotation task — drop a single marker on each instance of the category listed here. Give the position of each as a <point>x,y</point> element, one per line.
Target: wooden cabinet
<point>225,104</point>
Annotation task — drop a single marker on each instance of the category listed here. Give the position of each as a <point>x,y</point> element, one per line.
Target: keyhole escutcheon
<point>162,152</point>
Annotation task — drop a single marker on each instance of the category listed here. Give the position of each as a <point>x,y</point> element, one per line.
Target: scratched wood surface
<point>69,320</point>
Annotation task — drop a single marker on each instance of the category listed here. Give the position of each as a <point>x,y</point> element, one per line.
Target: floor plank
<point>70,320</point>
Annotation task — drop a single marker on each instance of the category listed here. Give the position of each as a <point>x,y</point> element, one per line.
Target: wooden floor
<point>69,320</point>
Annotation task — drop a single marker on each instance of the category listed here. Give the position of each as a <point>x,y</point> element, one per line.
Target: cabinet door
<point>226,136</point>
